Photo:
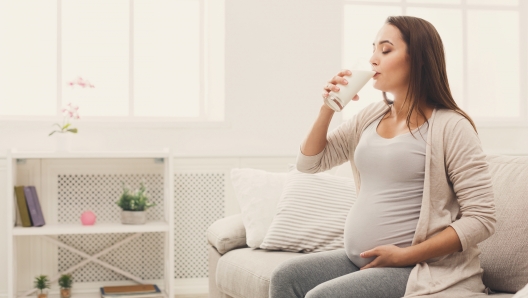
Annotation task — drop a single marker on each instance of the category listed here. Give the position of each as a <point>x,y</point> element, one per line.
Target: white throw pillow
<point>257,193</point>
<point>311,213</point>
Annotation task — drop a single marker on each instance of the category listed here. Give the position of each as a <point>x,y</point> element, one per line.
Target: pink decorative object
<point>88,218</point>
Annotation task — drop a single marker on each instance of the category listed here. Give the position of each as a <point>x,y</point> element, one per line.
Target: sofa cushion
<point>227,233</point>
<point>246,272</point>
<point>504,256</point>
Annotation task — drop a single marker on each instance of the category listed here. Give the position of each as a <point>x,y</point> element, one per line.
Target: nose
<point>373,60</point>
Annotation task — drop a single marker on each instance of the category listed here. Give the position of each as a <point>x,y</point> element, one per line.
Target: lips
<point>375,75</point>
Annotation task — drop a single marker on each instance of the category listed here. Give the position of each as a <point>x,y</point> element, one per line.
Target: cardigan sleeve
<point>468,171</point>
<point>335,152</point>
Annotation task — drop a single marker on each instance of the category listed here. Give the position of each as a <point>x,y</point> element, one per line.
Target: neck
<point>401,107</point>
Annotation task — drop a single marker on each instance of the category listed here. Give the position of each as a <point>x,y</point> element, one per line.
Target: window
<point>147,60</point>
<point>485,44</point>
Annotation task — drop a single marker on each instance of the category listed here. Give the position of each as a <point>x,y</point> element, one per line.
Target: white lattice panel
<point>199,201</point>
<point>77,193</point>
<point>143,257</point>
<point>99,193</point>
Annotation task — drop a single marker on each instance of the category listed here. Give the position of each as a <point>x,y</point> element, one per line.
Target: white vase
<point>62,141</point>
<point>133,217</point>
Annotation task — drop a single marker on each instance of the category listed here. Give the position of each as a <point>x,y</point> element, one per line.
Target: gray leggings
<point>332,274</point>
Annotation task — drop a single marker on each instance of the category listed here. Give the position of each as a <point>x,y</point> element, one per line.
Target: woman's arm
<point>468,171</point>
<point>315,142</point>
<point>321,151</point>
<point>443,243</point>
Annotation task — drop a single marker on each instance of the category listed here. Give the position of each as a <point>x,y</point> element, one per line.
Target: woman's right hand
<point>338,79</point>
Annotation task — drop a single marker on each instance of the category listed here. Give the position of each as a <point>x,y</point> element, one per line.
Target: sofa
<point>236,270</point>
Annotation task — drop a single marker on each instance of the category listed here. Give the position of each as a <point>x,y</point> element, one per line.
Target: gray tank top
<point>388,205</point>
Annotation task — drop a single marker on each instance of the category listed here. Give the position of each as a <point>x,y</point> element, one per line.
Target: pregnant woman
<point>425,197</point>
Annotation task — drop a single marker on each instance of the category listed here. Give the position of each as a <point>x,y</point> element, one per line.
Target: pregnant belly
<point>370,224</point>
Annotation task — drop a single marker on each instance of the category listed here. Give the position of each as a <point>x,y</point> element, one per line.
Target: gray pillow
<point>504,256</point>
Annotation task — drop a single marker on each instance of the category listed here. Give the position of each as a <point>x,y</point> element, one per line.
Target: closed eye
<point>383,52</point>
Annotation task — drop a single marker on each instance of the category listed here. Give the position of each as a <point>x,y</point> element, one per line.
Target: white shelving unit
<point>165,226</point>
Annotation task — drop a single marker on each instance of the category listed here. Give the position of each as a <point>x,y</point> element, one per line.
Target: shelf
<point>90,154</point>
<point>48,184</point>
<point>81,295</point>
<point>97,228</point>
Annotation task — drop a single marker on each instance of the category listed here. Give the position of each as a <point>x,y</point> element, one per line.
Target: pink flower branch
<point>70,112</point>
<point>81,82</point>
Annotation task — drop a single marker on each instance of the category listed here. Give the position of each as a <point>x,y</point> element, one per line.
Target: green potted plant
<point>133,205</point>
<point>65,283</point>
<point>42,282</point>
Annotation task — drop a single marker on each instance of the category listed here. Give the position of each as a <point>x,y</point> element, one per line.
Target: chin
<point>382,87</point>
<point>378,87</point>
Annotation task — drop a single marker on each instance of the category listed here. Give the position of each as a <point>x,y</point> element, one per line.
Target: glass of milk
<point>361,74</point>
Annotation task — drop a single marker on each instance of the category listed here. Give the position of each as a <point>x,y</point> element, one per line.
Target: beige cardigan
<point>457,192</point>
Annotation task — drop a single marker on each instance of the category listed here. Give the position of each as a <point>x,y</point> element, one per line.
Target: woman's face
<point>390,61</point>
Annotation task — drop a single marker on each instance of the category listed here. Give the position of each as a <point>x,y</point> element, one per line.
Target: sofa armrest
<point>227,233</point>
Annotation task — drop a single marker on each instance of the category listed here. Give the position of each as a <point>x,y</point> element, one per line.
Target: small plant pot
<point>133,217</point>
<point>65,293</point>
<point>42,295</point>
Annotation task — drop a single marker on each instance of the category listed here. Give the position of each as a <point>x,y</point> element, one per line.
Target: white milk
<point>338,100</point>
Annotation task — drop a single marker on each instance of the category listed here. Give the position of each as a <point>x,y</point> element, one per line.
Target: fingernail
<point>345,82</point>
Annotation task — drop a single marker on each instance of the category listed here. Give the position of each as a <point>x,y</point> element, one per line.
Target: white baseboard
<point>186,286</point>
<point>191,286</point>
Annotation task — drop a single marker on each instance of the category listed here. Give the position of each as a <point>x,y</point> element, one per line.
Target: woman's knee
<point>320,291</point>
<point>286,280</point>
<point>285,273</point>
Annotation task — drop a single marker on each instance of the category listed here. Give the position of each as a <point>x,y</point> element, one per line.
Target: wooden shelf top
<point>90,154</point>
<point>97,228</point>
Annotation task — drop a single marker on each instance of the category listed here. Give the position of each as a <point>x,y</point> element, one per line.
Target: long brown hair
<point>428,75</point>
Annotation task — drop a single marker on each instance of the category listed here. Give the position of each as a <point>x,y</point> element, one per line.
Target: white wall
<point>279,54</point>
<point>505,140</point>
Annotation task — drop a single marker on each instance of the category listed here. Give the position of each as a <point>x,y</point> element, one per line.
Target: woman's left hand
<point>387,256</point>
